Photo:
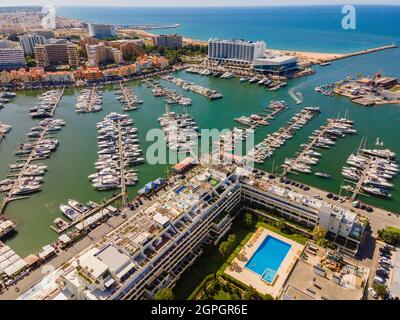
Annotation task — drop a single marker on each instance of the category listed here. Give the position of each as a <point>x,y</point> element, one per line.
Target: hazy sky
<point>142,3</point>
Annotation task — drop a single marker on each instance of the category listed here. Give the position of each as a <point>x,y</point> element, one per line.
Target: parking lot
<point>394,286</point>
<point>384,269</point>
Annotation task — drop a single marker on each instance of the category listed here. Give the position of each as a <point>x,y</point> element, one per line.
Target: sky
<point>185,3</point>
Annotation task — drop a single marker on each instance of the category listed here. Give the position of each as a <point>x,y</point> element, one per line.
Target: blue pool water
<point>268,258</point>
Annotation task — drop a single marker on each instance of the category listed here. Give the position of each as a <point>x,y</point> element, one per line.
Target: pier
<point>103,205</point>
<point>357,188</point>
<point>264,150</point>
<point>124,193</point>
<point>205,92</point>
<point>309,146</point>
<point>125,95</point>
<point>55,105</point>
<point>31,157</point>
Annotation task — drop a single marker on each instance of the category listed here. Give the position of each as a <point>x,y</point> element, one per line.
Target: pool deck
<point>238,270</point>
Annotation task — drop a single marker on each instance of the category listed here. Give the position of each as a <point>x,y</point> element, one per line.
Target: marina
<point>4,129</point>
<point>370,171</point>
<point>322,138</point>
<point>118,149</point>
<point>48,103</point>
<point>90,100</point>
<point>127,97</point>
<point>262,118</point>
<point>275,140</point>
<point>180,130</point>
<point>172,97</point>
<point>26,178</point>
<point>141,206</point>
<point>190,86</point>
<point>79,139</point>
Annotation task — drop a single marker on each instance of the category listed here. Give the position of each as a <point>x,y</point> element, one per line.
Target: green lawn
<point>300,238</point>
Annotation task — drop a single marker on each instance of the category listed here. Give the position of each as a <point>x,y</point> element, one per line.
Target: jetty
<point>86,215</point>
<point>324,137</point>
<point>124,193</point>
<point>273,141</point>
<point>203,91</point>
<point>18,178</point>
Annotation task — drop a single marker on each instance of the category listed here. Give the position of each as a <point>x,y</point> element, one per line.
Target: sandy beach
<point>305,58</point>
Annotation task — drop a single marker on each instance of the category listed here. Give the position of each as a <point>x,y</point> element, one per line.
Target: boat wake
<point>296,95</point>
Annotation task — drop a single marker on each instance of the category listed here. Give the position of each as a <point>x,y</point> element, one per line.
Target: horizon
<point>201,3</point>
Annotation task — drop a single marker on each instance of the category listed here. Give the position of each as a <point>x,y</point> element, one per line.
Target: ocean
<point>305,28</point>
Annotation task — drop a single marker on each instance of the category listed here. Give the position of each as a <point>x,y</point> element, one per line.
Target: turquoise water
<point>305,28</point>
<point>73,161</point>
<point>268,258</point>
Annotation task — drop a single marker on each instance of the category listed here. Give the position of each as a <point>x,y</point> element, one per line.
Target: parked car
<point>384,249</point>
<point>384,266</point>
<point>379,280</point>
<point>373,293</point>
<point>382,273</point>
<point>390,247</point>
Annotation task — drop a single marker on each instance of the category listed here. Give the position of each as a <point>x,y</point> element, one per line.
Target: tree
<point>319,233</point>
<point>390,235</point>
<point>164,294</point>
<point>30,62</point>
<point>281,224</point>
<point>231,242</point>
<point>248,219</point>
<point>212,288</point>
<point>224,250</point>
<point>250,294</point>
<point>381,290</point>
<point>325,243</point>
<point>227,247</point>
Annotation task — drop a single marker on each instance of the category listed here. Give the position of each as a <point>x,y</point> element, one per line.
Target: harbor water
<point>74,159</point>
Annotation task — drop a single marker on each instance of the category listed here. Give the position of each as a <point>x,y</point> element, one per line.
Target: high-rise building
<point>101,54</point>
<point>29,41</point>
<point>73,56</point>
<point>101,31</point>
<point>11,55</point>
<point>171,41</point>
<point>97,54</point>
<point>54,54</point>
<point>239,51</point>
<point>132,47</point>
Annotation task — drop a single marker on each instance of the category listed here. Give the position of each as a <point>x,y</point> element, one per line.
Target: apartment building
<point>29,41</point>
<point>238,51</point>
<point>152,249</point>
<point>11,55</point>
<point>54,54</point>
<point>101,31</point>
<point>170,41</point>
<point>343,226</point>
<point>99,54</point>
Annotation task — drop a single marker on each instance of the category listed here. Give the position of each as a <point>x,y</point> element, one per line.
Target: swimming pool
<point>268,258</point>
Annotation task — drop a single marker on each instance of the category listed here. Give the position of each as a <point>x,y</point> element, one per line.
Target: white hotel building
<point>152,249</point>
<point>239,51</point>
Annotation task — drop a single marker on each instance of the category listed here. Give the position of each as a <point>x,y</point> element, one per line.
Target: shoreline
<point>304,57</point>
